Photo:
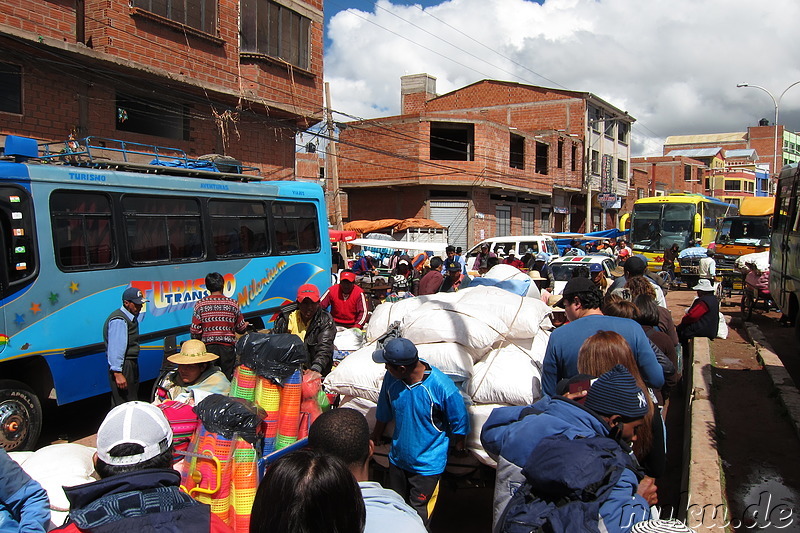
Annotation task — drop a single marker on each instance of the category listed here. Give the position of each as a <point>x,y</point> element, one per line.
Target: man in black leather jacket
<point>309,321</point>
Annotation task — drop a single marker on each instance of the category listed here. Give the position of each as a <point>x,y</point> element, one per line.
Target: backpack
<point>567,480</point>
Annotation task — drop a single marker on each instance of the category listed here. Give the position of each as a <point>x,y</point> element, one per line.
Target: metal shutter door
<point>453,216</point>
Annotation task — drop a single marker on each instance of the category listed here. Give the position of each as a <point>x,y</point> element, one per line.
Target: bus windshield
<point>745,231</point>
<point>657,227</point>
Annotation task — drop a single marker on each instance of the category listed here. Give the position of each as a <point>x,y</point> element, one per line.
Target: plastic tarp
<point>697,252</point>
<point>367,226</point>
<point>423,223</point>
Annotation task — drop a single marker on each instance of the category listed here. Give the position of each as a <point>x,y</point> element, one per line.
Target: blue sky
<point>672,64</point>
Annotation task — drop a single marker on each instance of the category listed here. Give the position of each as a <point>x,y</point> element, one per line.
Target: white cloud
<point>672,64</point>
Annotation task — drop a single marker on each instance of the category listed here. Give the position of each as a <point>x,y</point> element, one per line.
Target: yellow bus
<point>658,222</point>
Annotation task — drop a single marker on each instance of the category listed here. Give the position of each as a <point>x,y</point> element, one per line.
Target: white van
<point>520,245</point>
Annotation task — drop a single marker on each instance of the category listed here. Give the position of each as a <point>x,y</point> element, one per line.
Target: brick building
<point>490,159</point>
<point>760,138</point>
<point>664,175</point>
<point>727,174</point>
<point>182,74</point>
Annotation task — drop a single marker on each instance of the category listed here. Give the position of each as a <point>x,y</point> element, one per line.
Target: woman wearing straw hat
<point>196,376</point>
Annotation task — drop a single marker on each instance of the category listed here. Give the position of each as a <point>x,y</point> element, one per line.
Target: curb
<point>787,389</point>
<point>704,479</point>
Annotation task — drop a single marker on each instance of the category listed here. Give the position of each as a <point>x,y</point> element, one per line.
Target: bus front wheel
<point>20,416</point>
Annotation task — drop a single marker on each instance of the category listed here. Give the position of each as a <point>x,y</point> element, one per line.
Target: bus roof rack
<point>99,152</point>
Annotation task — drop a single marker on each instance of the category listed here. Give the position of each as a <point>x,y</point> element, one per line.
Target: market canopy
<point>436,247</point>
<point>337,235</point>
<point>396,224</point>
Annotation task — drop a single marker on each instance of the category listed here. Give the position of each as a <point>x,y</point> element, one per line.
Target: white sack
<point>433,324</point>
<point>389,312</point>
<point>503,272</point>
<point>508,375</point>
<point>58,466</point>
<point>761,260</point>
<point>363,406</point>
<point>451,358</point>
<point>357,375</point>
<point>348,339</point>
<point>478,414</point>
<point>521,316</point>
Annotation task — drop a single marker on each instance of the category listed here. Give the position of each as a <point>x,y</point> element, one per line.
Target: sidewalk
<point>743,473</point>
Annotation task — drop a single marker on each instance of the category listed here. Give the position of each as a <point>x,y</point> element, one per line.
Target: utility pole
<point>332,167</point>
<point>331,161</point>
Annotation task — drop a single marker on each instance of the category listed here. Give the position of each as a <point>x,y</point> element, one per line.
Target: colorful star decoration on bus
<point>35,308</point>
<point>53,298</point>
<point>19,319</point>
<point>73,287</point>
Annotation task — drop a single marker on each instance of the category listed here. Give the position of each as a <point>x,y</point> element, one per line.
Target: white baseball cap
<point>134,423</point>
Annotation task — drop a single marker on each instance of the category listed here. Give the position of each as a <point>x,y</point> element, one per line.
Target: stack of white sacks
<point>490,342</point>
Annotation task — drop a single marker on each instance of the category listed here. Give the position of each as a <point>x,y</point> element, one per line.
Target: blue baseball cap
<point>132,294</point>
<point>595,267</point>
<point>397,352</point>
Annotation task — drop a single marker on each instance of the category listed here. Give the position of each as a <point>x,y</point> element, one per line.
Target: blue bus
<point>77,228</point>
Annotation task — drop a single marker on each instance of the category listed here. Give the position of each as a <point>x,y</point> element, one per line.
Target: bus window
<point>526,247</point>
<point>238,228</point>
<point>83,237</point>
<point>18,264</point>
<point>296,227</point>
<point>162,229</point>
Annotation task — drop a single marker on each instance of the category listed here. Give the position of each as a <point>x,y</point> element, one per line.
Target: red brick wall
<point>403,153</point>
<point>259,135</point>
<point>666,173</point>
<point>378,203</point>
<point>307,166</point>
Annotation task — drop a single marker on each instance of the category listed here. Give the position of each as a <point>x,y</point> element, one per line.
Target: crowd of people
<point>583,458</point>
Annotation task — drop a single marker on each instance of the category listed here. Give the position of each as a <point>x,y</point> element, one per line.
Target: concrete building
<point>155,72</point>
<point>490,159</point>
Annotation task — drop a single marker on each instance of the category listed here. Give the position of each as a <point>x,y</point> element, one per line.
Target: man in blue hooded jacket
<point>23,502</point>
<point>614,407</point>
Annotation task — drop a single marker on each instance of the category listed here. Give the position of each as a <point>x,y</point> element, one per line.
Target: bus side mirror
<point>623,222</point>
<point>698,223</point>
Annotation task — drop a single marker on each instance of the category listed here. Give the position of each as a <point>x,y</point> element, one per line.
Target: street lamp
<point>777,104</point>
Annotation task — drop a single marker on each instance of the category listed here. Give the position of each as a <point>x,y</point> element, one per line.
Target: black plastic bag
<point>272,355</point>
<point>229,416</point>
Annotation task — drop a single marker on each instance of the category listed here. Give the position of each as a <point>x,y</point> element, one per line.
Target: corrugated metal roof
<point>696,152</point>
<point>706,138</point>
<point>748,153</point>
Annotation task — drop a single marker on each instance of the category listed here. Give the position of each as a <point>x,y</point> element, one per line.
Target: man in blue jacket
<point>24,505</point>
<point>428,410</point>
<point>581,302</point>
<point>614,407</point>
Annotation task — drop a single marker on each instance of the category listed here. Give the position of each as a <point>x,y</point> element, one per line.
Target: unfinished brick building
<point>184,74</point>
<point>492,158</point>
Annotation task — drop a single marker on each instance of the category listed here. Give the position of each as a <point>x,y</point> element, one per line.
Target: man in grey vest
<point>121,335</point>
